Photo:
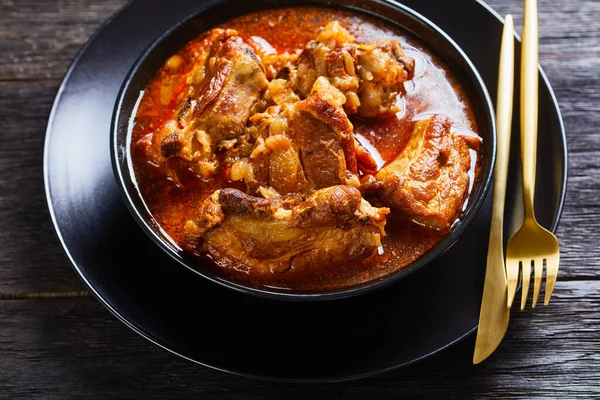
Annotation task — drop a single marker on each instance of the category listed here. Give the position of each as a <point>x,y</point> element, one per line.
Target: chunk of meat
<point>286,233</point>
<point>304,146</point>
<point>332,55</point>
<point>369,75</point>
<point>383,69</point>
<point>428,181</point>
<point>181,77</point>
<point>215,117</point>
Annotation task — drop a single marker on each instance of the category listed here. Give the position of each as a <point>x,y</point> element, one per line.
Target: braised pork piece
<point>428,180</point>
<point>230,79</point>
<point>274,235</point>
<point>281,153</point>
<point>303,146</point>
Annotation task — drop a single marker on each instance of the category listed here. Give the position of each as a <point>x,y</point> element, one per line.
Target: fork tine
<point>552,263</point>
<point>526,276</point>
<point>538,269</point>
<point>512,276</point>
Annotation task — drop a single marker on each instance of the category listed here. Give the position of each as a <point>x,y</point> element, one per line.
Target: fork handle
<point>529,104</point>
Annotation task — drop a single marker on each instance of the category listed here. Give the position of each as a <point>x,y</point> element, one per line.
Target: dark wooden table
<point>58,342</point>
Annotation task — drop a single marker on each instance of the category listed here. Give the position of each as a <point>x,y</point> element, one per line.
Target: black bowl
<point>213,14</point>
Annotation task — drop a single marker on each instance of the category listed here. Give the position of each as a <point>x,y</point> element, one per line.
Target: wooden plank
<point>40,38</point>
<point>73,348</point>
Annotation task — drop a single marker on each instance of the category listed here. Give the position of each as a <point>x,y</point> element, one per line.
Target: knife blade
<point>494,313</point>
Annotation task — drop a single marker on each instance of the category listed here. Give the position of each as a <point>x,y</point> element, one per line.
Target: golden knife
<point>494,313</point>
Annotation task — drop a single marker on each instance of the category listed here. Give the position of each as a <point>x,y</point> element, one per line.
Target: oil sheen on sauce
<point>433,90</point>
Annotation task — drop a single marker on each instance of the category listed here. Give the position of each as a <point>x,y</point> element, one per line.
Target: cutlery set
<point>531,246</point>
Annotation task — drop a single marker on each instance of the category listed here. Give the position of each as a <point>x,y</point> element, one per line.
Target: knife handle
<point>504,110</point>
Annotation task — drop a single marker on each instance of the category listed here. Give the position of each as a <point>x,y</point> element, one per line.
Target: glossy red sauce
<point>433,90</point>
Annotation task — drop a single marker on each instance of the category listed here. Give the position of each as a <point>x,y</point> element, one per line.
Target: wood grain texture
<point>59,349</point>
<point>73,348</point>
<point>40,38</point>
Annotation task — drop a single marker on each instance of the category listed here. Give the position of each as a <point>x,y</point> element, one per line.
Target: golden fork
<point>532,244</point>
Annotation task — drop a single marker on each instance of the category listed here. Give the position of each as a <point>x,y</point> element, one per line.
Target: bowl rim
<point>123,175</point>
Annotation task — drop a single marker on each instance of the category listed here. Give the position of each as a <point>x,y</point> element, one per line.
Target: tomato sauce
<point>433,90</point>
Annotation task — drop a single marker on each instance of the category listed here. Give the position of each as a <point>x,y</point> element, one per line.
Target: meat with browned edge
<point>282,233</point>
<point>429,179</point>
<point>215,116</point>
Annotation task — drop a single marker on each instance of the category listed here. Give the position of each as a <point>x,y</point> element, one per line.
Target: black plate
<point>231,331</point>
<point>428,35</point>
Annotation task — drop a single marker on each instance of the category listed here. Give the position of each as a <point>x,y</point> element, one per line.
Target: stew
<point>305,149</point>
